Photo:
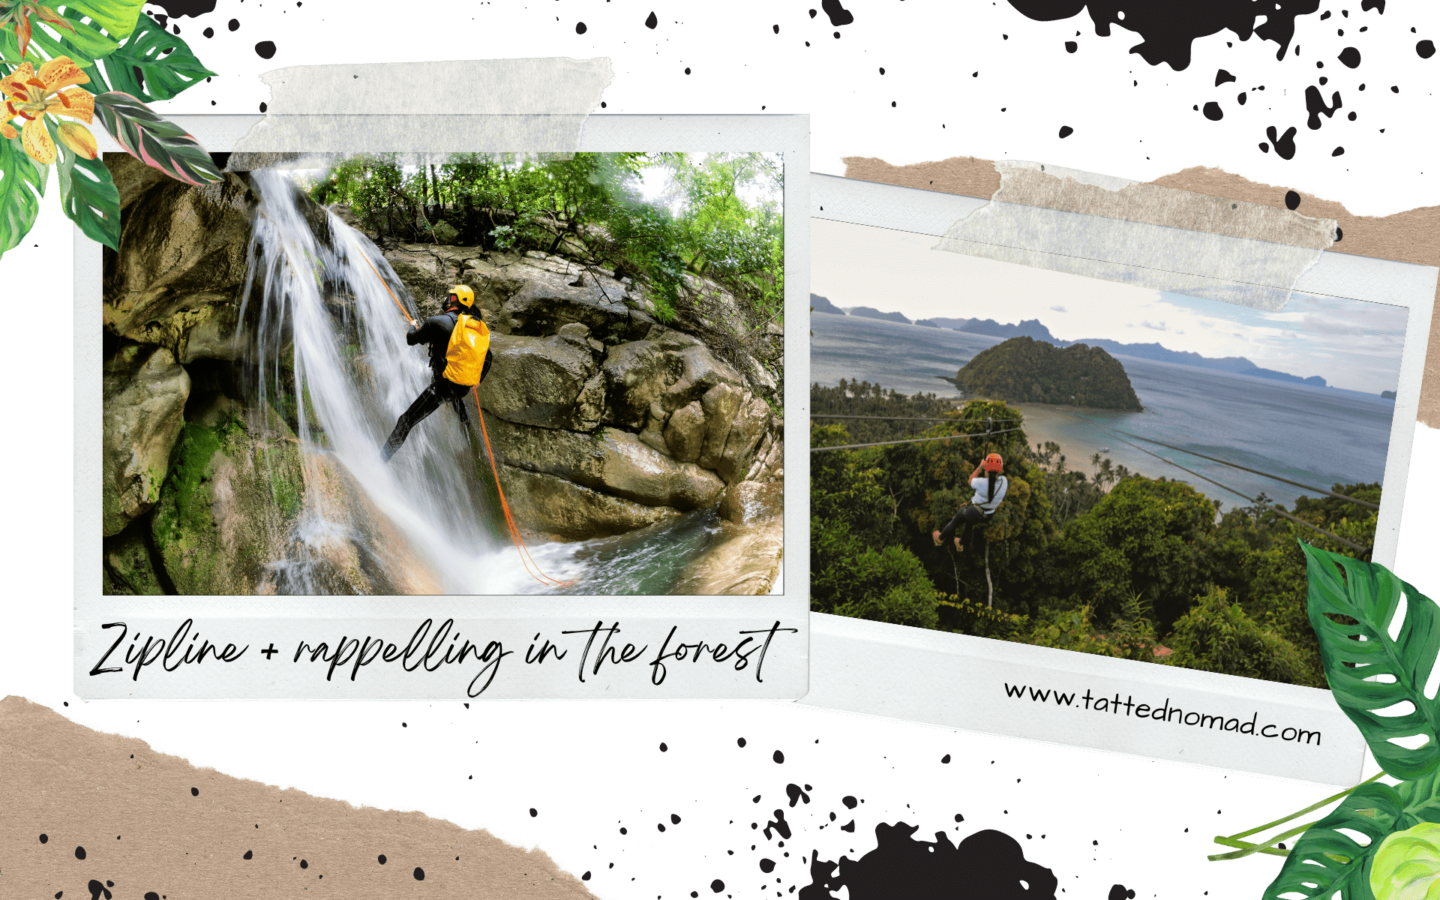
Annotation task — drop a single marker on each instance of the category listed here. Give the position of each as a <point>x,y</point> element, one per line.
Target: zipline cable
<point>948,437</point>
<point>1277,511</point>
<point>1355,500</point>
<point>885,418</point>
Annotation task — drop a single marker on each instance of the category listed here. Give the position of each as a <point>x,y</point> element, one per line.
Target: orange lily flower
<point>30,95</point>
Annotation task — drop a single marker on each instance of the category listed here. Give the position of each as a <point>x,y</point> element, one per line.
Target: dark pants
<point>969,516</point>
<point>440,391</point>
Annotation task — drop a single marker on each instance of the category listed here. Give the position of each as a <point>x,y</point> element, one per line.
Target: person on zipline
<point>460,358</point>
<point>989,492</point>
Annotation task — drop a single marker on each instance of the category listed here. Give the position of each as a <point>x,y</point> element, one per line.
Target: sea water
<point>1318,436</point>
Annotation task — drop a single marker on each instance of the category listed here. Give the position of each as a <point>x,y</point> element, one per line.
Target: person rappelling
<point>989,485</point>
<point>460,358</point>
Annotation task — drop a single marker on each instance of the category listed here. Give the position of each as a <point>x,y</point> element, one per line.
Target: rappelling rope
<point>531,567</point>
<point>525,558</point>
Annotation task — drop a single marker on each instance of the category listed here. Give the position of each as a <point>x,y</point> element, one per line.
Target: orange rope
<point>525,557</point>
<point>403,311</point>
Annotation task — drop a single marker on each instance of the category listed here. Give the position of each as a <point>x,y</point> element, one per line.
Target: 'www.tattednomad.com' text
<point>1163,713</point>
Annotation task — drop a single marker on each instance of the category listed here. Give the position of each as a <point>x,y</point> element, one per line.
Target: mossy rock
<point>228,504</point>
<point>128,569</point>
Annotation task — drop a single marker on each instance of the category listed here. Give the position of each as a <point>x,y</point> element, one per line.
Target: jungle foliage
<point>1103,561</point>
<point>719,216</point>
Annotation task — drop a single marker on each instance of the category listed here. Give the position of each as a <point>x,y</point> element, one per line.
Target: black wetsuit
<point>434,331</point>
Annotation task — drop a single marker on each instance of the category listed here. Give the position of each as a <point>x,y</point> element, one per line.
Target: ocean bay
<point>1319,436</point>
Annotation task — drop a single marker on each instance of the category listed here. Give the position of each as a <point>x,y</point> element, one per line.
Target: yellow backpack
<point>467,355</point>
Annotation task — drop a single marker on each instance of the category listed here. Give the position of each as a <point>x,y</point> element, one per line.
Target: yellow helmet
<point>462,295</point>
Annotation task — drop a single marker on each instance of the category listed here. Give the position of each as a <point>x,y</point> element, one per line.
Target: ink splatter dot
<point>1213,112</point>
<point>149,895</point>
<point>1240,98</point>
<point>1223,76</point>
<point>674,819</point>
<point>44,838</point>
<point>1350,57</point>
<point>419,874</point>
<point>264,106</point>
<point>651,22</point>
<point>1338,151</point>
<point>1284,143</point>
<point>249,854</point>
<point>209,32</point>
<point>717,885</point>
<point>1339,234</point>
<point>234,25</point>
<point>194,792</point>
<point>945,760</point>
<point>1066,131</point>
<point>304,864</point>
<point>1120,892</point>
<point>265,49</point>
<point>1426,49</point>
<point>586,876</point>
<point>767,866</point>
<point>1071,46</point>
<point>79,852</point>
<point>687,70</point>
<point>838,14</point>
<point>850,802</point>
<point>580,28</point>
<point>778,756</point>
<point>533,813</point>
<point>1292,201</point>
<point>740,742</point>
<point>663,748</point>
<point>381,859</point>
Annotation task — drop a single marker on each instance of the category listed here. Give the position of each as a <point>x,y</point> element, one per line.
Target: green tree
<point>1216,635</point>
<point>1146,537</point>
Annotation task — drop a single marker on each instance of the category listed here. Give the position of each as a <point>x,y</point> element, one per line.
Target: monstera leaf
<point>152,65</point>
<point>1327,859</point>
<point>89,197</point>
<point>22,184</point>
<point>1378,680</point>
<point>117,17</point>
<point>153,140</point>
<point>1407,865</point>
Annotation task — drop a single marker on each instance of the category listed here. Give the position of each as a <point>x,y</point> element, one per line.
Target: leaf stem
<point>1246,848</point>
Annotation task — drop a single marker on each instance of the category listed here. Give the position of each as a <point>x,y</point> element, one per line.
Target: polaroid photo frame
<point>450,642</point>
<point>867,233</point>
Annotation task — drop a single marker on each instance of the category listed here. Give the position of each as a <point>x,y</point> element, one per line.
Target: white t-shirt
<point>982,499</point>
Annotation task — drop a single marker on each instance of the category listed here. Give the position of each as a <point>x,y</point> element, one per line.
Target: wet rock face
<point>144,403</point>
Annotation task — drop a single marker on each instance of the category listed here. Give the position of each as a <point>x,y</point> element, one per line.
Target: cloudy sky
<point>1350,343</point>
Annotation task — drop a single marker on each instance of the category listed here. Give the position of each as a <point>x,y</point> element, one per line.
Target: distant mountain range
<point>823,305</point>
<point>1032,328</point>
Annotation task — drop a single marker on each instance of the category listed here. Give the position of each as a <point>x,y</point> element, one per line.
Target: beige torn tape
<point>432,108</point>
<point>1410,235</point>
<point>1154,237</point>
<point>82,807</point>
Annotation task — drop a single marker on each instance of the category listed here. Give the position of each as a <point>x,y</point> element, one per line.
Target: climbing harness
<point>531,567</point>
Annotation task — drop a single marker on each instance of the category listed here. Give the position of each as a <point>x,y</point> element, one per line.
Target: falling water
<point>330,352</point>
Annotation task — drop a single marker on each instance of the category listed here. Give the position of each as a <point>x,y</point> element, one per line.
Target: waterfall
<point>330,353</point>
<point>325,341</point>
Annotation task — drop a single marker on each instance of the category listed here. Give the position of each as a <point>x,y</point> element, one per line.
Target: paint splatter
<point>1292,200</point>
<point>79,852</point>
<point>96,889</point>
<point>1315,105</point>
<point>178,8</point>
<point>1213,112</point>
<point>651,22</point>
<point>838,14</point>
<point>1120,892</point>
<point>1350,57</point>
<point>419,874</point>
<point>1066,131</point>
<point>1425,48</point>
<point>988,864</point>
<point>580,28</point>
<point>1284,143</point>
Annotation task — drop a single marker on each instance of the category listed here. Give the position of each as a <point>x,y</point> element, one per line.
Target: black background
<point>907,81</point>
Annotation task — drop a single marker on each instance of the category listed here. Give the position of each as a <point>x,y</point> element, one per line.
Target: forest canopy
<point>1024,370</point>
<point>1102,561</point>
<point>717,216</point>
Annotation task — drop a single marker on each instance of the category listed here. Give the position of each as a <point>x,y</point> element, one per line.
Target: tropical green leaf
<point>1407,865</point>
<point>154,140</point>
<point>1372,675</point>
<point>142,68</point>
<point>1327,859</point>
<point>22,184</point>
<point>84,36</point>
<point>52,48</point>
<point>89,197</point>
<point>117,17</point>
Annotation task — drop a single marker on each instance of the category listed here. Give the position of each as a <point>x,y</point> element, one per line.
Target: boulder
<point>637,373</point>
<point>745,434</point>
<point>539,381</point>
<point>228,505</point>
<point>128,568</point>
<point>181,248</point>
<point>144,404</point>
<point>720,403</point>
<point>744,560</point>
<point>611,462</point>
<point>748,502</point>
<point>554,507</point>
<point>685,432</point>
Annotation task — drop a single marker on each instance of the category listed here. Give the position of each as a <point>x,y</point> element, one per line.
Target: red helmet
<point>993,463</point>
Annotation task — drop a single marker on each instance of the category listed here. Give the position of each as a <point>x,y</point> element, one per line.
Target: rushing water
<point>329,346</point>
<point>1318,436</point>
